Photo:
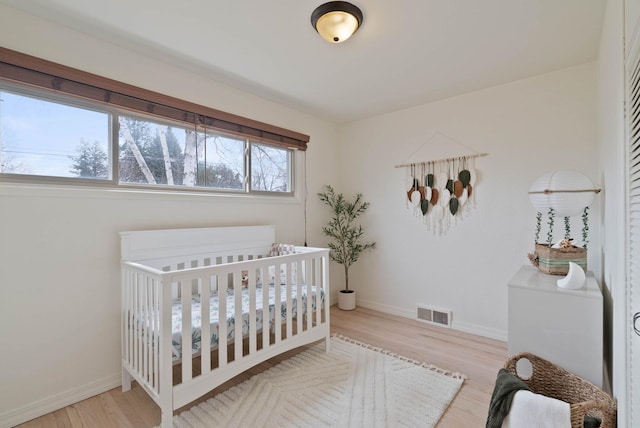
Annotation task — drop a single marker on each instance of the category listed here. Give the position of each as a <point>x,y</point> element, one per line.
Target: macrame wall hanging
<point>441,191</point>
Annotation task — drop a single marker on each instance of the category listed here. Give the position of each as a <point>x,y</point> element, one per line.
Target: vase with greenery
<point>346,243</point>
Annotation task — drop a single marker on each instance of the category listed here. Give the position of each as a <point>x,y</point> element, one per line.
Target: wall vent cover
<point>434,315</point>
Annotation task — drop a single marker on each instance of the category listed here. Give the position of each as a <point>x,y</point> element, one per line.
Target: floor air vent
<point>434,316</point>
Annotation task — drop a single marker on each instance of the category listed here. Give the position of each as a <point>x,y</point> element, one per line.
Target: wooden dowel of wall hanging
<point>478,155</point>
<point>549,191</point>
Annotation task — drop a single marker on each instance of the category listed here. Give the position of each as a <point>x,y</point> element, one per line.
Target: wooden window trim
<point>33,71</point>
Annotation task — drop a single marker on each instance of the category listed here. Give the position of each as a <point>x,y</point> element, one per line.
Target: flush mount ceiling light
<point>336,21</point>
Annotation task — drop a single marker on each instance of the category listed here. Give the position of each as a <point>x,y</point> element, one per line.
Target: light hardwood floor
<point>477,357</point>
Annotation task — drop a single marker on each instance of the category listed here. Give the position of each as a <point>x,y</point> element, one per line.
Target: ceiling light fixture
<point>336,21</point>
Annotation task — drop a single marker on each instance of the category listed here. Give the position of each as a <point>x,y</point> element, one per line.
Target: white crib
<point>175,282</point>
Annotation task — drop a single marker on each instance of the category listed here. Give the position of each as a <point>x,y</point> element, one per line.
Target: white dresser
<point>562,326</point>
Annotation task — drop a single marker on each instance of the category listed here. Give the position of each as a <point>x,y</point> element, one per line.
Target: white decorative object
<point>566,192</point>
<point>347,300</point>
<point>463,198</point>
<point>437,213</point>
<point>574,279</point>
<point>445,197</point>
<point>152,280</point>
<point>415,198</point>
<point>557,244</point>
<point>563,194</point>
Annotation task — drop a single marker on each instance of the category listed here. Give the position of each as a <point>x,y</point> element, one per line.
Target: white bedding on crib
<point>196,321</point>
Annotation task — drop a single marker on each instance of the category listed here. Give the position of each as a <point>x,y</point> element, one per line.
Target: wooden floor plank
<point>477,357</point>
<point>73,416</point>
<point>62,419</point>
<point>115,414</point>
<point>132,412</point>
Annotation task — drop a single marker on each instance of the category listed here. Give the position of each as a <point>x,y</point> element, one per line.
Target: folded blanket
<point>507,385</point>
<point>505,388</point>
<point>537,410</point>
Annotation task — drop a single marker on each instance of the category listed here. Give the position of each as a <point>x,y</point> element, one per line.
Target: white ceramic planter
<point>347,300</point>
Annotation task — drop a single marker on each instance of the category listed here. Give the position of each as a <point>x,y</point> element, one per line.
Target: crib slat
<point>237,305</point>
<point>253,328</point>
<point>319,289</point>
<point>277,309</point>
<point>129,315</point>
<point>205,326</point>
<point>307,281</point>
<point>156,334</point>
<point>266,316</point>
<point>136,337</point>
<point>124,310</point>
<point>136,325</point>
<point>144,310</point>
<point>299,314</point>
<point>147,328</point>
<point>325,286</point>
<point>185,300</point>
<point>150,329</point>
<point>165,401</point>
<point>222,320</point>
<point>289,304</point>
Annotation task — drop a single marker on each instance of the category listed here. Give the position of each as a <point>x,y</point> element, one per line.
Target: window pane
<point>39,137</point>
<point>157,153</point>
<point>270,168</point>
<point>153,153</point>
<point>224,161</point>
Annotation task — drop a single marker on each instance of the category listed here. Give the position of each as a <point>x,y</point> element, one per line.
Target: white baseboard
<point>392,310</point>
<point>58,401</point>
<point>478,330</point>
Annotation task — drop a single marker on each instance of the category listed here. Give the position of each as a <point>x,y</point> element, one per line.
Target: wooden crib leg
<point>126,380</point>
<point>327,344</point>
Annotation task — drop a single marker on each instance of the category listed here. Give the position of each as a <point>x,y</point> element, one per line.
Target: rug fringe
<point>455,375</point>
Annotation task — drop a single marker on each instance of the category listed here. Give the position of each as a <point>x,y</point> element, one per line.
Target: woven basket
<point>555,261</point>
<point>553,381</point>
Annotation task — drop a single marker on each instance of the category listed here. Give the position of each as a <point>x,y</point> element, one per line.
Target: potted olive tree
<point>346,238</point>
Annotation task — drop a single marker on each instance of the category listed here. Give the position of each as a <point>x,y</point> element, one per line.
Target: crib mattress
<point>196,322</point>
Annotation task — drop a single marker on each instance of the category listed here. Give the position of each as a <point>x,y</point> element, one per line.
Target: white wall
<point>528,128</point>
<point>59,275</point>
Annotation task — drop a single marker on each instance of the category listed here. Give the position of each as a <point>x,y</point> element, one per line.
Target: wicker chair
<point>584,397</point>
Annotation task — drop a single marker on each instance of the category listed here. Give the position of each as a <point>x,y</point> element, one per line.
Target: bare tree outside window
<point>270,169</point>
<point>155,153</point>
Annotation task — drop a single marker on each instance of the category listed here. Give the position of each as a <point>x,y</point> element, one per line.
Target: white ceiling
<point>407,52</point>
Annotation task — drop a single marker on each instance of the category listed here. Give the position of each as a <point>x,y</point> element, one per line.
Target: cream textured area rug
<point>354,385</point>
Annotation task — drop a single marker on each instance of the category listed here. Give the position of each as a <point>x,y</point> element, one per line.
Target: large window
<point>65,128</point>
